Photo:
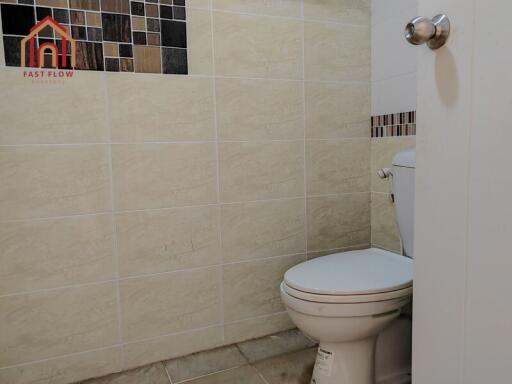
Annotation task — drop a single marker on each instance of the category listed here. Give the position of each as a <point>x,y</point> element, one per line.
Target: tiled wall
<point>145,216</point>
<point>113,35</point>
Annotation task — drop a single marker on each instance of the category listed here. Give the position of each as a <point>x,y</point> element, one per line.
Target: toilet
<point>345,300</point>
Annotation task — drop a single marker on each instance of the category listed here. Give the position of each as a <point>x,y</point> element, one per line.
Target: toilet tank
<point>404,164</point>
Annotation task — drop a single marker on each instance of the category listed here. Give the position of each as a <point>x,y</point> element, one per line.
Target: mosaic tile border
<point>394,124</point>
<point>147,36</point>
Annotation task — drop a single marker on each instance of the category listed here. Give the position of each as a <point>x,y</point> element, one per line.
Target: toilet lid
<point>352,273</point>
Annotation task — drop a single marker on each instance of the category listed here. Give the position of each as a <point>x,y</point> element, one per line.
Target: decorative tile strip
<point>394,124</point>
<point>121,36</point>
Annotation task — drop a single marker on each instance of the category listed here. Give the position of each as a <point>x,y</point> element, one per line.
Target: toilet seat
<point>341,299</point>
<point>362,276</point>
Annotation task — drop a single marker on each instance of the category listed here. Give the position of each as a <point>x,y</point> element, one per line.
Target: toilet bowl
<point>344,301</point>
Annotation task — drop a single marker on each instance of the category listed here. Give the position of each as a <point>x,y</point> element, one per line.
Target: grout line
<point>217,170</point>
<point>203,205</point>
<point>167,372</point>
<point>107,348</point>
<point>306,229</point>
<point>191,142</point>
<point>255,318</point>
<point>115,239</point>
<point>148,275</point>
<point>237,346</point>
<point>336,82</point>
<point>210,374</point>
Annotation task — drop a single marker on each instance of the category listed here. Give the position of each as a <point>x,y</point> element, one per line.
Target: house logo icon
<point>59,31</point>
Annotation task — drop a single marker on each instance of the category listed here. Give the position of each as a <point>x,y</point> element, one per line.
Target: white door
<point>462,326</point>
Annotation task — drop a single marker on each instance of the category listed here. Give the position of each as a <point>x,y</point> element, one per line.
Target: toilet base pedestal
<point>345,363</point>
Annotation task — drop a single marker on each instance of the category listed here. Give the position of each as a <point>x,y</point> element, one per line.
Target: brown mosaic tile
<point>53,3</point>
<point>138,23</point>
<point>151,10</point>
<point>118,6</point>
<point>126,65</point>
<point>77,17</point>
<point>147,59</point>
<point>93,19</point>
<point>8,1</point>
<point>112,65</point>
<point>137,8</point>
<point>78,32</point>
<point>139,38</point>
<point>111,49</point>
<point>153,39</point>
<point>91,5</point>
<point>153,25</point>
<point>116,27</point>
<point>89,56</point>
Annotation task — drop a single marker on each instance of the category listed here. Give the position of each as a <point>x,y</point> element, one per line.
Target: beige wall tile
<point>336,52</point>
<point>383,151</point>
<point>203,4</point>
<point>345,11</point>
<point>337,166</point>
<point>171,346</point>
<point>67,369</point>
<point>337,110</point>
<point>160,108</point>
<point>252,288</point>
<point>255,46</point>
<point>76,113</point>
<point>338,221</point>
<point>57,322</point>
<point>385,232</point>
<point>259,109</point>
<point>263,229</point>
<point>163,175</point>
<point>257,327</point>
<point>315,254</point>
<point>50,253</point>
<point>257,171</point>
<point>168,303</point>
<point>160,241</point>
<point>53,181</point>
<point>199,42</point>
<point>288,8</point>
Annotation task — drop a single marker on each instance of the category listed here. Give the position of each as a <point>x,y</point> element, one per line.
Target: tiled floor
<point>284,358</point>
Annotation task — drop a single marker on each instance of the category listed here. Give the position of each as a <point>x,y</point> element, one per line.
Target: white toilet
<point>345,300</point>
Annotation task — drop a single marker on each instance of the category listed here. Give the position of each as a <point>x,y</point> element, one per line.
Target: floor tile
<point>204,363</point>
<point>242,375</point>
<point>274,345</point>
<point>150,374</point>
<point>294,368</point>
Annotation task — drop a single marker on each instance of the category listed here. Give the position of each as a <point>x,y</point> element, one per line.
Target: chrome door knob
<point>435,32</point>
